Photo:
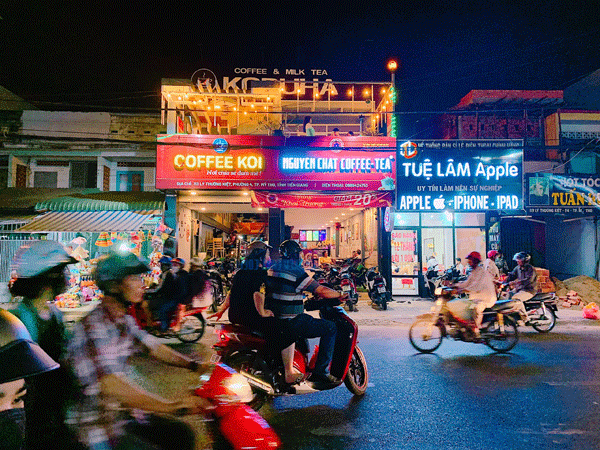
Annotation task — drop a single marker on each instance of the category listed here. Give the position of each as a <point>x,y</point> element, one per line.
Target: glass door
<point>405,261</point>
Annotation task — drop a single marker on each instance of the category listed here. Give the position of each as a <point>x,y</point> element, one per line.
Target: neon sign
<point>460,176</point>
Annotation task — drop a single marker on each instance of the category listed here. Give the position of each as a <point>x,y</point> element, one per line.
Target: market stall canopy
<point>88,221</point>
<point>105,201</point>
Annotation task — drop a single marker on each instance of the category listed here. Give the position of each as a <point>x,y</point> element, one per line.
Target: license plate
<point>381,289</point>
<point>346,288</point>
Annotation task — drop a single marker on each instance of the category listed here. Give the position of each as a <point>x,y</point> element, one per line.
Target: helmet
<point>39,257</point>
<point>290,249</point>
<point>492,254</point>
<point>258,245</point>
<point>116,267</point>
<point>20,357</point>
<point>196,261</point>
<point>165,260</point>
<point>179,261</point>
<point>521,256</point>
<point>474,255</point>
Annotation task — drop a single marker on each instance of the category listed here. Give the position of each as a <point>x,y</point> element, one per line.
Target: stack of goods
<point>545,284</point>
<point>82,289</point>
<point>571,299</point>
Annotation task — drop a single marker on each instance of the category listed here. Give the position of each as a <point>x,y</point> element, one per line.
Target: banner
<point>573,194</point>
<point>281,200</point>
<point>249,227</point>
<point>276,163</point>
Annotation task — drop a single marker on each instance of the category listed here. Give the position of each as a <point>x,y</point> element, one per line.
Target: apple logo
<point>439,203</point>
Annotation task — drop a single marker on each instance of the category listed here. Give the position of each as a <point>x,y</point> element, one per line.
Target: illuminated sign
<point>273,163</point>
<point>459,175</point>
<point>574,194</point>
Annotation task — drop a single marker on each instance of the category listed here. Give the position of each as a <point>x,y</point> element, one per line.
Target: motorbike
<point>341,280</point>
<point>246,351</point>
<point>228,393</point>
<point>377,288</point>
<point>450,320</point>
<point>541,310</point>
<point>347,286</point>
<point>187,324</point>
<point>220,275</point>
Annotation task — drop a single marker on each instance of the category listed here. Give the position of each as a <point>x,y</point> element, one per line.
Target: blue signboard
<point>460,176</point>
<point>572,194</point>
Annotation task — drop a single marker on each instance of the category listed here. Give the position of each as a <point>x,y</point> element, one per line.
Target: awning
<point>90,221</point>
<point>105,201</point>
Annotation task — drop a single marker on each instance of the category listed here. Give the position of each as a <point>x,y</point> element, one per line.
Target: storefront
<point>449,196</point>
<point>352,174</point>
<point>92,225</point>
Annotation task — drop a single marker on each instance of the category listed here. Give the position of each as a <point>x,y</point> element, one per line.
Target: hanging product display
<point>103,240</point>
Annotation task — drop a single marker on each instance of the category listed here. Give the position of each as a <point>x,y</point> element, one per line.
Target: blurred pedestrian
<point>40,276</point>
<point>20,359</point>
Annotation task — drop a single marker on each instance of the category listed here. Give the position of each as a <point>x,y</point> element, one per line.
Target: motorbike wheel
<point>357,378</point>
<point>192,328</point>
<point>383,302</point>
<point>498,342</point>
<point>543,323</point>
<point>251,363</point>
<point>425,335</point>
<point>218,295</point>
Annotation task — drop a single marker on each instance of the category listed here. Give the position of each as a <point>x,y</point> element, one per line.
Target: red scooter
<point>247,352</point>
<point>228,392</point>
<point>187,324</point>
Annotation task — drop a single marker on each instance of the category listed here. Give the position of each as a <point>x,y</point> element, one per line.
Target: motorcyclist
<point>481,289</point>
<point>490,264</point>
<point>523,281</point>
<point>20,359</point>
<point>162,292</point>
<point>501,263</point>
<point>179,295</point>
<point>40,277</point>
<point>113,410</point>
<point>284,297</point>
<point>246,307</point>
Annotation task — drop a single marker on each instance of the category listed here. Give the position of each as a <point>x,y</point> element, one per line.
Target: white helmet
<point>39,257</point>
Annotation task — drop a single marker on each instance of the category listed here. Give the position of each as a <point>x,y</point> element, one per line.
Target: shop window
<point>406,219</point>
<point>438,242</point>
<point>84,174</point>
<point>45,180</point>
<point>469,240</point>
<point>130,181</point>
<point>470,219</point>
<point>443,219</point>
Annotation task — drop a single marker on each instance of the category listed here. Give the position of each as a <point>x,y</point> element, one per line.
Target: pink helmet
<point>474,255</point>
<point>492,254</point>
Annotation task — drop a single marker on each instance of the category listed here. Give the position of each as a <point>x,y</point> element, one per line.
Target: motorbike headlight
<point>438,302</point>
<point>438,291</point>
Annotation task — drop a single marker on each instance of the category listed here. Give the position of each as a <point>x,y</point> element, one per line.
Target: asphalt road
<point>543,395</point>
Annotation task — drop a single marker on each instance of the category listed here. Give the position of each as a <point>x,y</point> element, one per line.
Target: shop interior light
<point>383,90</point>
<point>193,192</point>
<point>366,92</point>
<point>349,92</point>
<point>203,208</point>
<point>217,106</point>
<point>245,193</point>
<point>179,98</point>
<point>235,108</point>
<point>260,209</point>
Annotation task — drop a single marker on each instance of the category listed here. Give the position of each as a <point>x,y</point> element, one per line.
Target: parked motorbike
<point>187,324</point>
<point>246,351</point>
<point>377,288</point>
<point>449,319</point>
<point>220,275</point>
<point>347,287</point>
<point>228,393</point>
<point>541,310</point>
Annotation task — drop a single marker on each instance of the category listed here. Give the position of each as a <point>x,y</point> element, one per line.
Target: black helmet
<point>116,267</point>
<point>521,256</point>
<point>290,249</point>
<point>20,357</point>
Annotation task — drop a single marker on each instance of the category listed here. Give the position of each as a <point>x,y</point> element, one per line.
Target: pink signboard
<point>273,163</point>
<point>283,200</point>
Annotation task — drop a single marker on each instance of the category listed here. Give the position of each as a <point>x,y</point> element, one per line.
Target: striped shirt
<point>286,283</point>
<point>100,345</point>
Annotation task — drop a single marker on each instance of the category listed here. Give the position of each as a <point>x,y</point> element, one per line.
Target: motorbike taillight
<point>345,281</point>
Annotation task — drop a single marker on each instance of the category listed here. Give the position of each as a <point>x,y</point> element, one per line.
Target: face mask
<point>175,269</point>
<point>12,428</point>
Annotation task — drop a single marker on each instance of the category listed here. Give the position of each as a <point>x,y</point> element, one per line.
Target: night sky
<point>80,55</point>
